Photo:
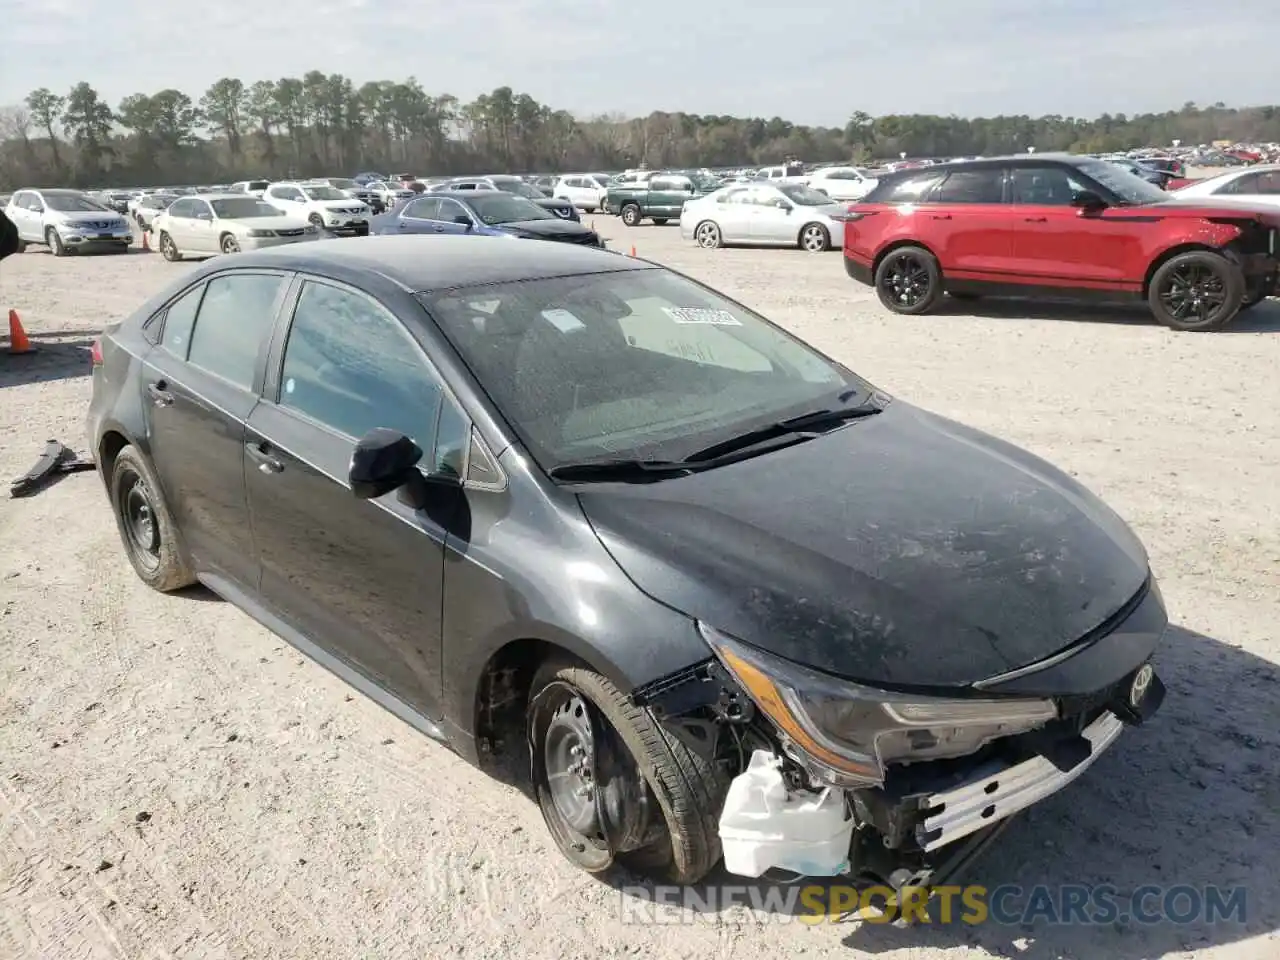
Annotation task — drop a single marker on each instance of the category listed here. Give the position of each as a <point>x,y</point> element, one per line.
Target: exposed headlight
<point>850,733</point>
<point>262,233</point>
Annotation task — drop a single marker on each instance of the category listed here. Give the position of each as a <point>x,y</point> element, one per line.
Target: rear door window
<point>911,189</point>
<point>233,322</point>
<point>971,186</point>
<point>178,321</point>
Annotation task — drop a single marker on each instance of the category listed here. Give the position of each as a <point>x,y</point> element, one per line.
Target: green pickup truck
<point>659,199</point>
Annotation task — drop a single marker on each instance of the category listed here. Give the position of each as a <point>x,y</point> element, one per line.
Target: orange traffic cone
<point>146,244</point>
<point>18,342</point>
<point>633,249</point>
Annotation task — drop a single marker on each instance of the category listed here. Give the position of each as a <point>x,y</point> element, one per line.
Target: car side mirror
<point>1088,200</point>
<point>463,219</point>
<point>383,460</point>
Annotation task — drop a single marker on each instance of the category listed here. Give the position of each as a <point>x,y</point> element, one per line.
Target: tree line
<point>324,124</point>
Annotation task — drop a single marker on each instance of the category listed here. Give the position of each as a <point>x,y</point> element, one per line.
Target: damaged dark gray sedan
<point>731,598</point>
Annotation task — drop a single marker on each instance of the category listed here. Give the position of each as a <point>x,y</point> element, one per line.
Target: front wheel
<point>168,249</point>
<point>631,215</point>
<point>230,244</point>
<point>54,240</point>
<point>316,221</point>
<point>146,526</point>
<point>1196,291</point>
<point>815,238</point>
<point>909,280</point>
<point>613,784</point>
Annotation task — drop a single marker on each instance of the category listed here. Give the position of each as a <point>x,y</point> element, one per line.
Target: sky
<point>808,61</point>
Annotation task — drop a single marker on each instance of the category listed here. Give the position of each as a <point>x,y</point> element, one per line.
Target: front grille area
<point>290,233</point>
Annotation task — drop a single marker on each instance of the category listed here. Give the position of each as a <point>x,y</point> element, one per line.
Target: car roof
<point>420,263</point>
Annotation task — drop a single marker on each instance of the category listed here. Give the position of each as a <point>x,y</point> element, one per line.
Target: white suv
<point>585,191</point>
<point>326,207</point>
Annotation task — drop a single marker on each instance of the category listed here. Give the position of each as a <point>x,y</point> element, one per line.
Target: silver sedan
<point>782,215</point>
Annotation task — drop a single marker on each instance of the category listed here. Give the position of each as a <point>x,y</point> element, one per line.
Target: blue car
<point>481,213</point>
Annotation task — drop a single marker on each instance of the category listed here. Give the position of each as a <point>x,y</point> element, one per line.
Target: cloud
<point>805,60</point>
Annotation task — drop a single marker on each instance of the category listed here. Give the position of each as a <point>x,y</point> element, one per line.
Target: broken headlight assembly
<point>847,734</point>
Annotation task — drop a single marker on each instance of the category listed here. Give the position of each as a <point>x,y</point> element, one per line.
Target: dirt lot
<point>177,782</point>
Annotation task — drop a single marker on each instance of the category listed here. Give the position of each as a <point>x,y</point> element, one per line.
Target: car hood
<point>900,550</point>
<point>543,228</point>
<point>1206,207</point>
<point>85,216</point>
<point>338,205</point>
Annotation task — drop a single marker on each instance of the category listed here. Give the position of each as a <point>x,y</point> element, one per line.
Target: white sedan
<point>225,223</point>
<point>781,215</point>
<point>845,184</point>
<point>1256,184</point>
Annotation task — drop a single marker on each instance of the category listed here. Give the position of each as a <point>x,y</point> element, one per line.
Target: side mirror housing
<point>1088,200</point>
<point>463,219</point>
<point>383,460</point>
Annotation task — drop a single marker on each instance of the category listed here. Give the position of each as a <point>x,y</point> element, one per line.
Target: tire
<point>1196,291</point>
<point>684,789</point>
<point>908,280</point>
<point>708,235</point>
<point>151,543</point>
<point>660,221</point>
<point>168,249</point>
<point>316,221</point>
<point>54,240</point>
<point>814,238</point>
<point>229,244</point>
<point>631,214</point>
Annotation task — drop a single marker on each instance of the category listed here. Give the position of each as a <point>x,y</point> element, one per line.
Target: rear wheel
<point>708,235</point>
<point>612,784</point>
<point>1196,291</point>
<point>146,526</point>
<point>631,215</point>
<point>909,280</point>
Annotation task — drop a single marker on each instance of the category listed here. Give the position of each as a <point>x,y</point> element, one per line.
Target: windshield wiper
<point>805,426</point>
<point>622,470</point>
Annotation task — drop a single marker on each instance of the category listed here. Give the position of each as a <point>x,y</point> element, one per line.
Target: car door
<point>286,198</point>
<point>177,223</point>
<point>968,224</point>
<point>201,382</point>
<point>1059,244</point>
<point>733,214</point>
<point>361,578</point>
<point>420,216</point>
<point>20,215</point>
<point>201,229</point>
<point>446,222</point>
<point>773,218</point>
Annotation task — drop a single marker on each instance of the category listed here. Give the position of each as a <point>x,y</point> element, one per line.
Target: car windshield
<point>805,196</point>
<point>73,203</point>
<point>631,364</point>
<point>241,208</point>
<point>1129,187</point>
<point>497,206</point>
<point>519,188</point>
<point>324,193</point>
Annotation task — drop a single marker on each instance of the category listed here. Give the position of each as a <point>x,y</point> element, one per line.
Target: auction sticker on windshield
<point>716,318</point>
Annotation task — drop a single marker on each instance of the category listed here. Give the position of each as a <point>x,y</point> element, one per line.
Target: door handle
<point>1036,219</point>
<point>261,453</point>
<point>160,394</point>
<point>942,216</point>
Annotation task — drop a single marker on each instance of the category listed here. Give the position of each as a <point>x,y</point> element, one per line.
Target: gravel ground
<point>177,782</point>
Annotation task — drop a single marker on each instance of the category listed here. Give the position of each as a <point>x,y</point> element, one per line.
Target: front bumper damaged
<point>996,791</point>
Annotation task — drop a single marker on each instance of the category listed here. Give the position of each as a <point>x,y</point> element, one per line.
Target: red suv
<point>1060,226</point>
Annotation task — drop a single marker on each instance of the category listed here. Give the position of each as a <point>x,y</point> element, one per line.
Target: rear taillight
<point>95,352</point>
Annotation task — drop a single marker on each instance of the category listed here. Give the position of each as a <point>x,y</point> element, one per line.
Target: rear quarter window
<point>912,188</point>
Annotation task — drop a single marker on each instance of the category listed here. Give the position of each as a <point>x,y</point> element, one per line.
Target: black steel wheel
<point>146,526</point>
<point>908,280</point>
<point>1196,291</point>
<point>613,785</point>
